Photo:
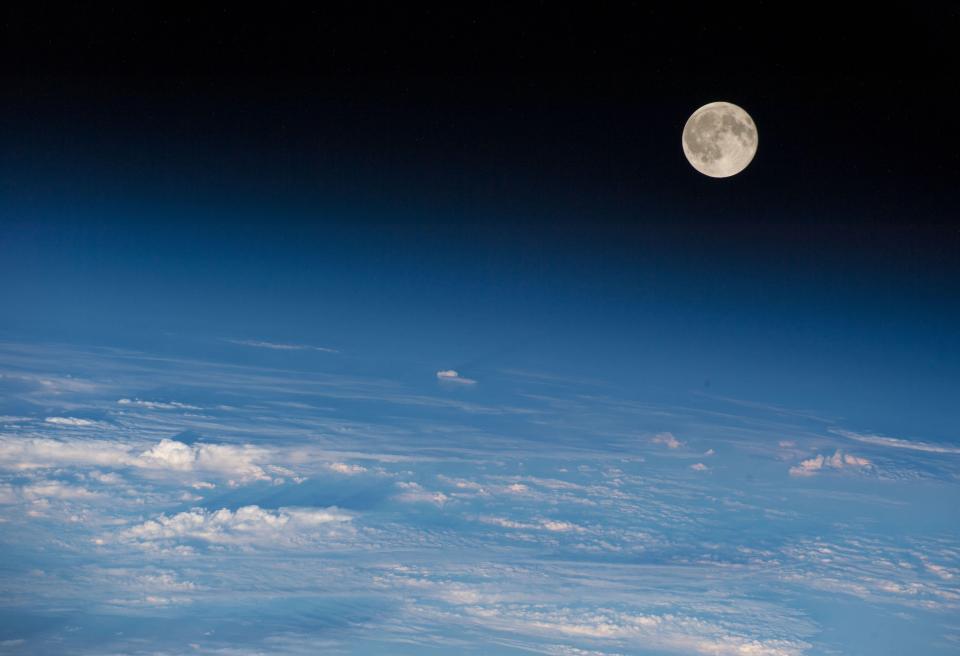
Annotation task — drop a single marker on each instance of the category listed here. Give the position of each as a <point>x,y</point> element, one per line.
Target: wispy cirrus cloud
<point>157,405</point>
<point>70,421</point>
<point>896,443</point>
<point>281,346</point>
<point>552,525</point>
<point>136,588</point>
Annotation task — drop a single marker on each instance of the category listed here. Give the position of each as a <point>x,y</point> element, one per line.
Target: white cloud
<point>70,421</point>
<point>38,495</point>
<point>552,525</point>
<point>56,490</point>
<point>838,460</point>
<point>897,443</point>
<point>416,493</point>
<point>808,467</point>
<point>110,478</point>
<point>150,588</point>
<point>939,570</point>
<point>452,376</point>
<point>246,525</point>
<point>667,439</point>
<point>32,453</point>
<point>166,581</point>
<point>237,463</point>
<point>344,468</point>
<point>280,346</point>
<point>158,405</point>
<point>556,526</point>
<point>506,523</point>
<point>667,632</point>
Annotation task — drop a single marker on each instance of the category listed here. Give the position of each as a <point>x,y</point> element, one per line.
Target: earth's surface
<point>245,496</point>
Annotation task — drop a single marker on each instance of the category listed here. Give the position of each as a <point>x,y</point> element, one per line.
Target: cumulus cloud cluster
<point>244,526</point>
<point>838,460</point>
<point>237,463</point>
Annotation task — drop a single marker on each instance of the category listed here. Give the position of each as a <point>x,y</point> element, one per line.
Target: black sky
<point>568,116</point>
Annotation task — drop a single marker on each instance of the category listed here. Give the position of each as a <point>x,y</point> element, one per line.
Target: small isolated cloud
<point>248,525</point>
<point>667,439</point>
<point>838,460</point>
<point>452,376</point>
<point>786,444</point>
<point>275,346</point>
<point>69,421</point>
<point>699,467</point>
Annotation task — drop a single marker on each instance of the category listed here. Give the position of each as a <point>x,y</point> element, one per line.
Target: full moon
<point>720,139</point>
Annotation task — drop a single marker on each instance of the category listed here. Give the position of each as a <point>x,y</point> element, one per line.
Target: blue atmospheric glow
<point>228,437</point>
